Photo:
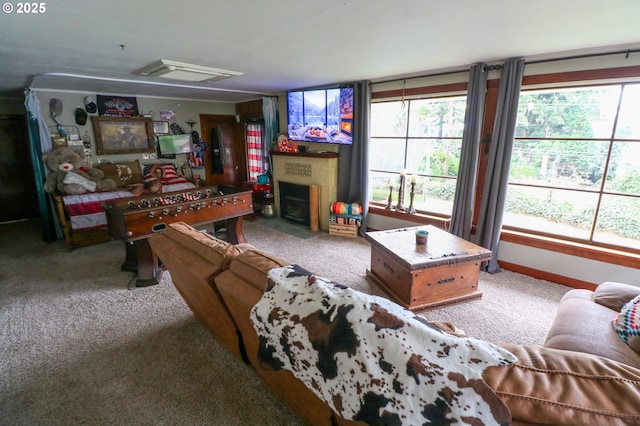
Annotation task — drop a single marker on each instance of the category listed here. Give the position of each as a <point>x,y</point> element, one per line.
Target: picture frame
<point>123,135</point>
<point>160,127</point>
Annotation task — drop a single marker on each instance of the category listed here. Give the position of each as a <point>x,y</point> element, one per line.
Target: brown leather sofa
<point>570,381</point>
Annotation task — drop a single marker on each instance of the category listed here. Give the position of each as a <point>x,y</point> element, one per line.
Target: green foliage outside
<point>563,140</point>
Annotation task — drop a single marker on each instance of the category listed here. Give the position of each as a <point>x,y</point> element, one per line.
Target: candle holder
<point>400,206</point>
<point>390,206</point>
<point>411,209</point>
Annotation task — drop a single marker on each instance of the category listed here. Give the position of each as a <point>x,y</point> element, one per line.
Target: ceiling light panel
<point>185,72</point>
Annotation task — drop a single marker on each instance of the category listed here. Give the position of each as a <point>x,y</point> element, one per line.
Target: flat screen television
<point>175,144</point>
<point>321,115</point>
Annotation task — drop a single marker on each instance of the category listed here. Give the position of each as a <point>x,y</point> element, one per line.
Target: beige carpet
<point>78,347</point>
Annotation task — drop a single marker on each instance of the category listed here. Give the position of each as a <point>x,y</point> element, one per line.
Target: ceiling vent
<point>185,72</point>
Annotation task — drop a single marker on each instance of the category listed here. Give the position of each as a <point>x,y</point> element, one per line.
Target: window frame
<point>443,91</point>
<point>554,242</point>
<point>626,258</point>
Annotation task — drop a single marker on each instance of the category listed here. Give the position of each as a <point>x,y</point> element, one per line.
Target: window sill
<point>418,218</point>
<point>629,258</point>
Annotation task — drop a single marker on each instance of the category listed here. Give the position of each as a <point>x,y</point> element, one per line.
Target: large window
<point>575,168</point>
<point>422,137</point>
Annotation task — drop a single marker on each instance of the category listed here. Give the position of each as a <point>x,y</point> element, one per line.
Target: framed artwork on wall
<point>161,127</point>
<point>123,135</point>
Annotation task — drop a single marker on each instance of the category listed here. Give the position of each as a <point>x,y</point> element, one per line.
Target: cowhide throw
<point>372,360</point>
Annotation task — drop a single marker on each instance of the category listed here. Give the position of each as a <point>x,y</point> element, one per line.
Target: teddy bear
<point>68,176</point>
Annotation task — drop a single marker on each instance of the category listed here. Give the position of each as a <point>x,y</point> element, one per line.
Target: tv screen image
<point>175,144</point>
<point>324,115</point>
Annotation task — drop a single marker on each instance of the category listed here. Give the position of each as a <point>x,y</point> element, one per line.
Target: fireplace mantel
<point>308,168</point>
<point>310,154</point>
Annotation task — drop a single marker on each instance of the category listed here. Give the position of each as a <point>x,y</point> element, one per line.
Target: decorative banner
<point>117,106</point>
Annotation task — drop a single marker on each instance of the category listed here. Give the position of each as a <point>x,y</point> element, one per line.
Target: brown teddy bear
<point>69,177</point>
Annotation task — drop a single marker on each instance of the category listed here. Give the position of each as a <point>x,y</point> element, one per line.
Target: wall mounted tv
<point>175,144</point>
<point>323,115</point>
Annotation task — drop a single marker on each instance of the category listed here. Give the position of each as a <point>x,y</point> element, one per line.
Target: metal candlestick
<point>400,206</point>
<point>389,205</point>
<point>411,209</point>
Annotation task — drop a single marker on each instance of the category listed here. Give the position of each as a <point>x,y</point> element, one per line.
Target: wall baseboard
<point>548,276</point>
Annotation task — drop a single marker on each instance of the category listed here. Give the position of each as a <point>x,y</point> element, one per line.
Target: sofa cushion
<point>370,359</point>
<point>218,252</point>
<point>253,266</point>
<point>627,324</point>
<point>123,173</point>
<point>584,326</point>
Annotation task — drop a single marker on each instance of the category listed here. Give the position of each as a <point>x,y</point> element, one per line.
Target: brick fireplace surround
<point>308,168</point>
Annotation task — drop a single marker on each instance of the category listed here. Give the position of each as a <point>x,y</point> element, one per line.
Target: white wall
<point>185,110</point>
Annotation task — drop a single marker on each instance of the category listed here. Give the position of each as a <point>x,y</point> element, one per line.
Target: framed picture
<point>123,135</point>
<point>160,127</point>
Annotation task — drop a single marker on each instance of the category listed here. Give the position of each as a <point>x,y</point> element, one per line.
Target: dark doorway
<point>224,129</point>
<point>18,194</point>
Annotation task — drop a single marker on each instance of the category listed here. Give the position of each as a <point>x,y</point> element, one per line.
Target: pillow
<point>627,323</point>
<point>123,174</point>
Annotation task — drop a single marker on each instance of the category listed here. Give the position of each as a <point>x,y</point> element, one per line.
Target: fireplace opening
<point>294,202</point>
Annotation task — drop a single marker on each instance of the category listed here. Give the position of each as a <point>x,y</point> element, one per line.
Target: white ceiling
<point>291,44</point>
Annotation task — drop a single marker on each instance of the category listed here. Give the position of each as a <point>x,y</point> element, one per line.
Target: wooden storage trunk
<point>443,272</point>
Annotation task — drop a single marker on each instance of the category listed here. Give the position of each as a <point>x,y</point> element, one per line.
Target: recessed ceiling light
<point>185,72</point>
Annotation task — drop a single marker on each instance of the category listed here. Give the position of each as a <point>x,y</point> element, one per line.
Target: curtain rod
<point>627,52</point>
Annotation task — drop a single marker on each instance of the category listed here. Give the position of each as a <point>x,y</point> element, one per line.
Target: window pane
<point>432,194</point>
<point>388,119</point>
<point>569,164</point>
<point>438,157</point>
<point>619,221</point>
<point>624,168</point>
<point>379,187</point>
<point>628,126</point>
<point>551,211</point>
<point>386,154</point>
<point>567,113</point>
<point>439,118</point>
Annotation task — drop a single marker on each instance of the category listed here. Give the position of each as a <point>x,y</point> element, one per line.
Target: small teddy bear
<point>69,177</point>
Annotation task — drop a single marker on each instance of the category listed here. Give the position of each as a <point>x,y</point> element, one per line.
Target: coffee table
<point>443,272</point>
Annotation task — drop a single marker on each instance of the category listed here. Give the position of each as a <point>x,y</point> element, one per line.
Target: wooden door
<point>226,129</point>
<point>18,194</point>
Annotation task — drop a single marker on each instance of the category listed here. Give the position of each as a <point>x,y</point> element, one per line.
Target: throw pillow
<point>124,174</point>
<point>627,323</point>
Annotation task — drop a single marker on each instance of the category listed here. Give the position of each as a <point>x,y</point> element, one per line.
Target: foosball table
<point>134,220</point>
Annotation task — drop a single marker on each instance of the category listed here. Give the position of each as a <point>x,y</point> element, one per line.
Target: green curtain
<point>40,141</point>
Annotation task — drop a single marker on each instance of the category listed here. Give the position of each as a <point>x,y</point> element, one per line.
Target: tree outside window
<point>575,167</point>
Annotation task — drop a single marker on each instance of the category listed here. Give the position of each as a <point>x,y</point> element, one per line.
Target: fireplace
<point>317,172</point>
<point>294,202</point>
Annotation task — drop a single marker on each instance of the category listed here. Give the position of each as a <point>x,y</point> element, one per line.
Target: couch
<point>569,381</point>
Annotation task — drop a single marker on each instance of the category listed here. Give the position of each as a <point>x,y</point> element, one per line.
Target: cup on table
<point>421,237</point>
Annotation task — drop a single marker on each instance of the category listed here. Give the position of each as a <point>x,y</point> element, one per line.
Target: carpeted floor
<point>78,347</point>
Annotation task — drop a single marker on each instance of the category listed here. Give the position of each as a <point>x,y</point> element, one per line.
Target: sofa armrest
<point>557,387</point>
<point>614,295</point>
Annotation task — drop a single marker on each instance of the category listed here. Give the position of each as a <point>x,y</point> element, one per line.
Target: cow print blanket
<point>371,360</point>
